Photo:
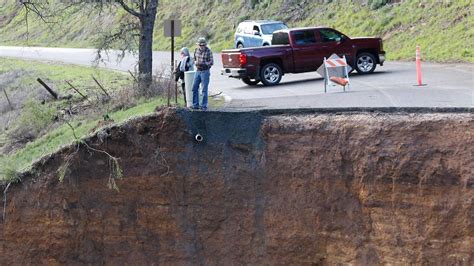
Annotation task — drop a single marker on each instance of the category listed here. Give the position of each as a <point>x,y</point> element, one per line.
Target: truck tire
<point>250,82</point>
<point>365,63</point>
<point>240,46</point>
<point>271,74</point>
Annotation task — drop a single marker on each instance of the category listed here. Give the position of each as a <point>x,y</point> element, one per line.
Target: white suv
<point>252,33</point>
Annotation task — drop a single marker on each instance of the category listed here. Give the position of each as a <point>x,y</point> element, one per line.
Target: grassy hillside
<point>444,29</point>
<point>33,125</point>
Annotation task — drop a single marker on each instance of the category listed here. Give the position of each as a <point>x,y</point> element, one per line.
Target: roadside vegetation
<point>34,124</point>
<point>443,29</point>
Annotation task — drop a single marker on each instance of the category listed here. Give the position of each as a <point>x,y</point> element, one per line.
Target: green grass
<point>37,116</point>
<point>22,159</point>
<point>55,74</point>
<point>29,116</point>
<point>444,29</point>
<point>62,136</point>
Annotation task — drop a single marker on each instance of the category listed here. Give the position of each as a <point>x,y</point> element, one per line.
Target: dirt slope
<point>321,188</point>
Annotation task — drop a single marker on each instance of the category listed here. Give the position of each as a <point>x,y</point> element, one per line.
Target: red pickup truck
<point>300,50</point>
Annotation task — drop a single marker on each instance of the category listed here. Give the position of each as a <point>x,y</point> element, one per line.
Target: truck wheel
<point>240,46</point>
<point>365,63</point>
<point>251,82</point>
<point>271,74</point>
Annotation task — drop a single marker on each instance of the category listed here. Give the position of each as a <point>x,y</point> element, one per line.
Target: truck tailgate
<point>231,59</point>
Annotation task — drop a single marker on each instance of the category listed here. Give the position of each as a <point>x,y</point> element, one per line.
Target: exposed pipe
<point>199,137</point>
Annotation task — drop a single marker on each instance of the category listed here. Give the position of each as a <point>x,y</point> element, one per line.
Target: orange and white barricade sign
<point>336,72</point>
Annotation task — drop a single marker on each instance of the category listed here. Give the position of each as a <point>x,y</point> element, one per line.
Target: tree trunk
<point>145,50</point>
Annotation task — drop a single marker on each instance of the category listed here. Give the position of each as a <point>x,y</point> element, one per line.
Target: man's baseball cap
<point>201,41</point>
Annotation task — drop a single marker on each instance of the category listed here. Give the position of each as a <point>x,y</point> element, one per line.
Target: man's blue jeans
<point>201,76</point>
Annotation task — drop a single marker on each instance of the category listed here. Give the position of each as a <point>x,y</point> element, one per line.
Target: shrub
<point>252,3</point>
<point>34,118</point>
<point>8,171</point>
<point>376,4</point>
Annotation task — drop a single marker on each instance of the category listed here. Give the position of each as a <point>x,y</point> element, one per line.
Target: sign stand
<point>172,45</point>
<point>172,28</point>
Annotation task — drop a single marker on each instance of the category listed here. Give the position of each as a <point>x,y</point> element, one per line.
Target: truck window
<point>280,38</point>
<point>304,37</point>
<point>328,35</point>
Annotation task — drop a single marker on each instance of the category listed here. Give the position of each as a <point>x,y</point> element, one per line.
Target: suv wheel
<point>365,63</point>
<point>240,46</point>
<point>271,74</point>
<point>250,82</point>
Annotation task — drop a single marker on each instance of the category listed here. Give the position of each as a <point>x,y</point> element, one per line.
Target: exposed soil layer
<point>321,188</point>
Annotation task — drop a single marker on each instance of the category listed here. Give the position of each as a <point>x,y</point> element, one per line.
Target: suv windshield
<point>270,28</point>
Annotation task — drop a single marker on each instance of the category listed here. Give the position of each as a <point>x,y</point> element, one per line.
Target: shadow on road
<point>303,81</point>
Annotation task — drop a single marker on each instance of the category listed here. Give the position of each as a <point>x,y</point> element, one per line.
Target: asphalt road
<point>392,85</point>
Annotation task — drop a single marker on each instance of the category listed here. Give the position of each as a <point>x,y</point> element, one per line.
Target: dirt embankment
<point>362,188</point>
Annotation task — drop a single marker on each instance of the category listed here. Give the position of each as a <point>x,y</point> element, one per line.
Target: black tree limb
<point>129,9</point>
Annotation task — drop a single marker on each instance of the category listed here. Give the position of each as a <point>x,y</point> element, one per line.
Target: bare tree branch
<point>143,11</point>
<point>27,27</point>
<point>42,9</point>
<point>129,9</point>
<point>39,9</point>
<point>142,6</point>
<point>124,38</point>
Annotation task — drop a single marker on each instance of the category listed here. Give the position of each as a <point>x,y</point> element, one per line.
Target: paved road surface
<point>448,85</point>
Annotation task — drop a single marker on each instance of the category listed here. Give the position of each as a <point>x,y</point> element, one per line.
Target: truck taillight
<point>243,59</point>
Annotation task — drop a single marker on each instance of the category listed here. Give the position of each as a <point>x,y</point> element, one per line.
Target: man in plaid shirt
<point>203,61</point>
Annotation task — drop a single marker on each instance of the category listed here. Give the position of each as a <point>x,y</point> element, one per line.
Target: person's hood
<point>185,51</point>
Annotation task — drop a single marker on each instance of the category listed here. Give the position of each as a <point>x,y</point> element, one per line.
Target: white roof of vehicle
<point>261,21</point>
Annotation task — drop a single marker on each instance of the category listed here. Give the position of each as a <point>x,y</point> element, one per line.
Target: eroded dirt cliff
<point>320,188</point>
